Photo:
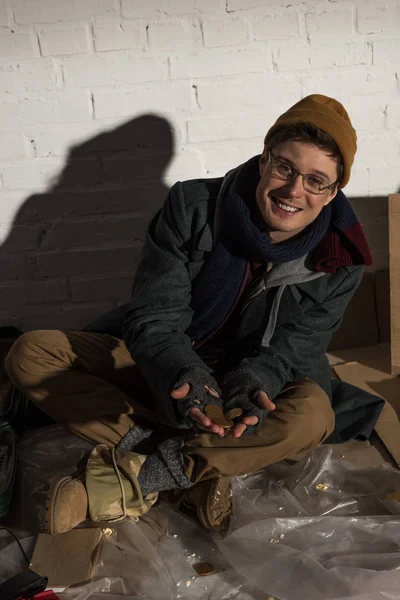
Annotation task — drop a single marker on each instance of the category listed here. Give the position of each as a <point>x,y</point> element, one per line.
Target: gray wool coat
<point>286,323</point>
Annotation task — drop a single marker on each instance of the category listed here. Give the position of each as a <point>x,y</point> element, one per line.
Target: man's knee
<point>313,416</point>
<point>22,357</point>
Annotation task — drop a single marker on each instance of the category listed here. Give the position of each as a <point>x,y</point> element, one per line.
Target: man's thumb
<point>180,392</point>
<point>265,402</point>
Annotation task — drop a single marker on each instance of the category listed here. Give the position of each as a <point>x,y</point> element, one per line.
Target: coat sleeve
<point>297,347</point>
<point>159,311</point>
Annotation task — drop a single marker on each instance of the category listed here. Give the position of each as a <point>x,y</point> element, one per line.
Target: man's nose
<point>295,187</point>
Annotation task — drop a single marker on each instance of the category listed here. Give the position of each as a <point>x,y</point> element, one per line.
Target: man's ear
<point>331,196</point>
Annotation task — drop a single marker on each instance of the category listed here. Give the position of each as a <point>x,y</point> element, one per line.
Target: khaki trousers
<point>88,383</point>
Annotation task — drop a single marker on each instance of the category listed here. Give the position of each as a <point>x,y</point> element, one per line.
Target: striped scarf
<point>334,239</point>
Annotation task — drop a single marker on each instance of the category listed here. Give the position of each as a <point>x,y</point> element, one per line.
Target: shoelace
<point>121,485</point>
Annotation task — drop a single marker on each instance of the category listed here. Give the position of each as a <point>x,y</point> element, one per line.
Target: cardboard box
<point>394,261</point>
<point>360,353</point>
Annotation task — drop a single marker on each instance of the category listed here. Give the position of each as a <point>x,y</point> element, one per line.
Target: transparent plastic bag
<point>321,526</point>
<point>318,529</point>
<point>44,455</point>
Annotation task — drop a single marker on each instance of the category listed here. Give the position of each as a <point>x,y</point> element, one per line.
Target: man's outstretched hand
<point>264,403</point>
<point>195,413</point>
<point>205,423</point>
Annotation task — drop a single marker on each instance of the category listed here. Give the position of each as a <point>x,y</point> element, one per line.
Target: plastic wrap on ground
<point>318,529</point>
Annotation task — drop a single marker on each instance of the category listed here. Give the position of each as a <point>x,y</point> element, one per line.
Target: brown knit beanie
<point>330,116</point>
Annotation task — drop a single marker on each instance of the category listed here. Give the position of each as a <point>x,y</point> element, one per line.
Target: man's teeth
<point>287,208</point>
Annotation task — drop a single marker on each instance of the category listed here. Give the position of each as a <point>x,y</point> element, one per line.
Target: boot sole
<point>220,487</point>
<point>51,499</point>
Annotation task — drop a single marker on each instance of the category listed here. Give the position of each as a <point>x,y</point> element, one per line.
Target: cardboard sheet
<point>67,558</point>
<point>382,304</point>
<point>394,251</point>
<point>372,380</point>
<point>376,357</point>
<point>386,386</point>
<point>359,326</point>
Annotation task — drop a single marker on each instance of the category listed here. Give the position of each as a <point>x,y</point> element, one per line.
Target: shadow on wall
<point>72,251</point>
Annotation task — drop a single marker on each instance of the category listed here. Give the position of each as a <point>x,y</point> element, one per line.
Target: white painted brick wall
<point>386,52</point>
<point>175,35</point>
<point>231,31</point>
<point>138,9</point>
<point>33,75</point>
<point>51,11</point>
<point>101,288</point>
<point>183,7</point>
<point>12,145</point>
<point>117,36</point>
<point>280,27</point>
<point>34,175</point>
<point>67,107</point>
<point>4,13</point>
<point>163,97</point>
<point>393,116</point>
<point>244,93</point>
<point>332,23</point>
<point>374,17</point>
<point>18,46</point>
<point>105,103</point>
<point>218,63</point>
<point>110,70</point>
<point>54,43</point>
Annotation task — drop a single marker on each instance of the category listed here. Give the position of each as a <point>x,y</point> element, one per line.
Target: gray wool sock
<point>154,476</point>
<point>164,469</point>
<point>134,436</point>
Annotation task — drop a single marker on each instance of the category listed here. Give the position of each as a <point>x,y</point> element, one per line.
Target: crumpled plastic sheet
<point>318,529</point>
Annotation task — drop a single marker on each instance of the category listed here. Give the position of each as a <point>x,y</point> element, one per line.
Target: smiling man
<point>220,366</point>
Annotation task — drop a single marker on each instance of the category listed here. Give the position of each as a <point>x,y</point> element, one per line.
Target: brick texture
<point>54,43</point>
<point>279,27</point>
<point>4,13</point>
<point>52,11</point>
<point>49,108</point>
<point>106,103</point>
<point>329,23</point>
<point>12,145</point>
<point>225,31</point>
<point>140,9</point>
<point>168,97</point>
<point>18,45</point>
<point>114,287</point>
<point>175,35</point>
<point>35,174</point>
<point>87,261</point>
<point>32,75</point>
<point>376,18</point>
<point>110,69</point>
<point>217,63</point>
<point>21,294</point>
<point>125,36</point>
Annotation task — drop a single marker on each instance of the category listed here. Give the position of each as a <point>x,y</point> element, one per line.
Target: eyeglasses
<point>311,183</point>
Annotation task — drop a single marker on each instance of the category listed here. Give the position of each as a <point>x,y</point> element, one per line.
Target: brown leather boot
<point>66,505</point>
<point>212,502</point>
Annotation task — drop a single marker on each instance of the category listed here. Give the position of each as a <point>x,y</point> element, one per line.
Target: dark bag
<point>12,411</point>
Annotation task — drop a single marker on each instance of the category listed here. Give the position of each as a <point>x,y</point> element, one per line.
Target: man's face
<point>274,194</point>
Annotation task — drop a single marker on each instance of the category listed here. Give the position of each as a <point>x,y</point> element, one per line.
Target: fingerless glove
<point>204,390</point>
<point>239,390</point>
